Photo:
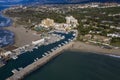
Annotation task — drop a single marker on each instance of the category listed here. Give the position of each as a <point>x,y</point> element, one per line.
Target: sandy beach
<point>23,36</point>
<point>80,46</point>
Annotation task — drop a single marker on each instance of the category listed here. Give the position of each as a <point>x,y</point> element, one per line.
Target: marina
<point>52,38</point>
<point>18,75</point>
<point>32,55</point>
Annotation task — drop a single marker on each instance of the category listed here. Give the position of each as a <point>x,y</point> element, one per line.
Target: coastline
<point>18,75</point>
<point>85,47</point>
<point>22,35</point>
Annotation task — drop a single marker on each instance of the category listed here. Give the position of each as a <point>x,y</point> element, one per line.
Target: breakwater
<point>18,75</point>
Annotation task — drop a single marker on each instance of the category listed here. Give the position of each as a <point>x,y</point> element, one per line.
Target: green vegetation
<point>34,16</point>
<point>115,42</point>
<point>98,21</point>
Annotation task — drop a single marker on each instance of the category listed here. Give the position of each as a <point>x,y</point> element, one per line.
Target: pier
<point>18,75</point>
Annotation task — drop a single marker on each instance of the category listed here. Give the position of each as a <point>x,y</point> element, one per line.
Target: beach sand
<point>23,36</point>
<point>80,46</point>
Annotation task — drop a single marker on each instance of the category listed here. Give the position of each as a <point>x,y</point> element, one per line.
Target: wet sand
<point>23,36</point>
<point>80,46</point>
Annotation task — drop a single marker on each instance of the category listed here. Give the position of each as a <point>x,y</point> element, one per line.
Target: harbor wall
<point>39,63</point>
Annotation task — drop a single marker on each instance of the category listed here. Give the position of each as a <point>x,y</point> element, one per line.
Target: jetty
<point>19,75</point>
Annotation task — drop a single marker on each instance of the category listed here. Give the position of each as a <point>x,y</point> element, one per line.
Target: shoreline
<point>18,75</point>
<point>20,32</point>
<point>22,35</point>
<point>85,47</point>
<point>69,47</point>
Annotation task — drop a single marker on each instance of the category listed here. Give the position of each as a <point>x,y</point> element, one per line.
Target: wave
<point>6,38</point>
<point>111,55</point>
<point>5,21</point>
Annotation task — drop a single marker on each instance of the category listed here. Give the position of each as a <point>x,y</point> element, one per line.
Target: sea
<point>73,65</point>
<point>70,65</point>
<point>6,37</point>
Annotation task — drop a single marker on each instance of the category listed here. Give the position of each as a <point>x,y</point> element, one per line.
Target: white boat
<point>14,57</point>
<point>43,55</point>
<point>59,45</point>
<point>36,58</point>
<point>14,71</point>
<point>74,34</point>
<point>46,54</point>
<point>20,68</point>
<point>36,47</point>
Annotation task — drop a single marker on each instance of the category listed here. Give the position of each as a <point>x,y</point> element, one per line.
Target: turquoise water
<point>79,66</point>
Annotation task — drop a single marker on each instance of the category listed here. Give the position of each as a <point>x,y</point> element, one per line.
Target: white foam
<point>116,56</point>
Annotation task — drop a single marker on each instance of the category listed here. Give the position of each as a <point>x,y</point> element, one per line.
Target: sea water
<point>6,37</point>
<point>73,65</point>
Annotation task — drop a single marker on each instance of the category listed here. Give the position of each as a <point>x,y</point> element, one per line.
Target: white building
<point>62,26</point>
<point>7,53</point>
<point>38,42</point>
<point>113,35</point>
<point>71,20</point>
<point>94,5</point>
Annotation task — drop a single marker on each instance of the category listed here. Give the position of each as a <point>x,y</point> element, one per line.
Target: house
<point>102,39</point>
<point>114,35</point>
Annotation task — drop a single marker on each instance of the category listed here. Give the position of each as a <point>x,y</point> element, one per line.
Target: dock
<point>18,75</point>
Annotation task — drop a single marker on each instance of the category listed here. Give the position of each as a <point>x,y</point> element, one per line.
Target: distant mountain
<point>79,1</point>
